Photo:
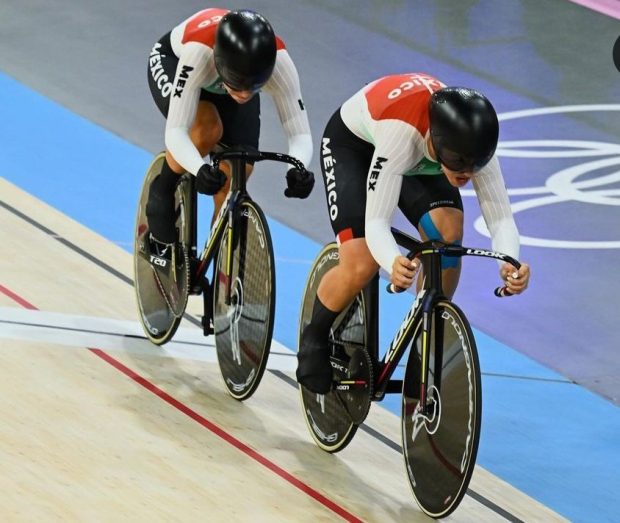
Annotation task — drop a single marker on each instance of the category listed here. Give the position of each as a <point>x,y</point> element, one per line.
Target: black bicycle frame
<point>423,305</point>
<point>238,157</point>
<point>432,291</point>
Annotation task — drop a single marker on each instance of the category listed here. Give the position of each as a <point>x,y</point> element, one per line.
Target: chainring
<point>355,385</point>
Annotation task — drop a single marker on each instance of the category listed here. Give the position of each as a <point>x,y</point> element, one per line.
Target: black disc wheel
<point>243,323</point>
<point>440,439</point>
<point>333,418</point>
<point>161,273</point>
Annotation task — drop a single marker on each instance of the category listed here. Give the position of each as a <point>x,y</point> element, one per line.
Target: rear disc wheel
<point>333,418</point>
<point>161,273</point>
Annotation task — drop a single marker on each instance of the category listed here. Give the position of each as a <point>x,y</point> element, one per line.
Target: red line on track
<point>218,431</point>
<point>18,299</point>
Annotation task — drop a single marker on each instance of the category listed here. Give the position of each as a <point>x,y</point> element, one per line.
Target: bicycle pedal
<point>158,246</point>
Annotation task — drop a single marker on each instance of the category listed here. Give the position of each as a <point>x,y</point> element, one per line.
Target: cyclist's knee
<point>452,233</point>
<point>358,268</point>
<point>206,135</point>
<point>361,275</point>
<point>445,225</point>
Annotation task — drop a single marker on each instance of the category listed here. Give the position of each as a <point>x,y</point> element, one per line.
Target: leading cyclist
<point>408,141</point>
<point>204,76</point>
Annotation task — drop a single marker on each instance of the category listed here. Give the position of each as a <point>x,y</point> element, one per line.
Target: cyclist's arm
<point>495,206</point>
<point>399,150</point>
<point>193,71</point>
<point>284,88</point>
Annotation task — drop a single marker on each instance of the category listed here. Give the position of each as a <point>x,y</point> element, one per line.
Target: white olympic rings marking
<point>563,186</point>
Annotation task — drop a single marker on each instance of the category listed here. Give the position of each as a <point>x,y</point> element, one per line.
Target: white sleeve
<point>395,152</point>
<point>284,88</point>
<point>495,206</point>
<point>193,71</point>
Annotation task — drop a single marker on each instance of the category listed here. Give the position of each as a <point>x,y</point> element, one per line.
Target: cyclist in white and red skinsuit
<point>204,76</point>
<point>404,141</point>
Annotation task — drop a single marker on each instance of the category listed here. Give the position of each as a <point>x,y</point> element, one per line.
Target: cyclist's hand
<point>516,281</point>
<point>404,271</point>
<point>210,180</point>
<point>299,183</point>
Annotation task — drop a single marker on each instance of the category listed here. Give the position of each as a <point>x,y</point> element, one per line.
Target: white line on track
<point>108,334</point>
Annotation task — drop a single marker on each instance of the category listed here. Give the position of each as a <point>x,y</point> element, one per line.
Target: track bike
<point>441,389</point>
<point>239,301</point>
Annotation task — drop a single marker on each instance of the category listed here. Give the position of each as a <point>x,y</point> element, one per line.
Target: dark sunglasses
<point>456,163</point>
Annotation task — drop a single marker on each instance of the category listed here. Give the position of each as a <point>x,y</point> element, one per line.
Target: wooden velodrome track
<point>100,425</point>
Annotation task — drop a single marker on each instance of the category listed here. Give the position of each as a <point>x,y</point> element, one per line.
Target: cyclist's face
<point>240,97</point>
<point>457,178</point>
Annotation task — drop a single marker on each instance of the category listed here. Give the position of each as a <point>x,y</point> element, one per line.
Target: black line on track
<point>287,379</point>
<point>528,378</point>
<point>278,353</point>
<point>68,244</point>
<point>107,333</point>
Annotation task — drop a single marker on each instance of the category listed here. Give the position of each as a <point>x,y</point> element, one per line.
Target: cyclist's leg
<point>241,126</point>
<point>162,66</point>
<point>339,286</point>
<point>355,269</point>
<point>204,133</point>
<point>436,210</point>
<point>445,224</point>
<point>345,160</point>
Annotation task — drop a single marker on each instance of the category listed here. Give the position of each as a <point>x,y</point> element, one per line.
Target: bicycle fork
<point>427,313</point>
<point>431,345</point>
<point>233,297</point>
<point>229,252</point>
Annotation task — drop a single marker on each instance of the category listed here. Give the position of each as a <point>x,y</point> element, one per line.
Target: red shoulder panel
<point>402,97</point>
<point>201,28</point>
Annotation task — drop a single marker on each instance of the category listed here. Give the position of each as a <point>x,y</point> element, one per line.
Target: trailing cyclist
<point>404,141</point>
<point>205,76</point>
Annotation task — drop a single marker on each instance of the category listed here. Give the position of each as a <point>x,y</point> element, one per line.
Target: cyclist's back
<point>398,102</point>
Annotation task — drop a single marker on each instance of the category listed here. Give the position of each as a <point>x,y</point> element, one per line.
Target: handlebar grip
<point>502,292</point>
<point>393,289</point>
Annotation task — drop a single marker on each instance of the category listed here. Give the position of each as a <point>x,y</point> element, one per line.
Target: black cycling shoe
<point>161,215</point>
<point>314,370</point>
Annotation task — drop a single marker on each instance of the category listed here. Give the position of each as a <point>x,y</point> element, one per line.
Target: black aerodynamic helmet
<point>245,50</point>
<point>464,128</point>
